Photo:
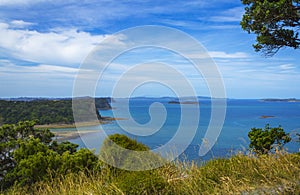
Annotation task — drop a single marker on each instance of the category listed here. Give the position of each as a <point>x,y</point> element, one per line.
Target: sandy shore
<point>63,135</point>
<point>79,124</point>
<point>67,135</point>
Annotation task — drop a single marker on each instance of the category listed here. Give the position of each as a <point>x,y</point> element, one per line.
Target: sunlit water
<point>241,116</point>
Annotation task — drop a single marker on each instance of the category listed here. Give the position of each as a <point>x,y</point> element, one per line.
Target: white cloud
<point>195,25</point>
<point>19,2</point>
<point>63,47</point>
<point>179,23</point>
<point>40,80</point>
<point>224,27</point>
<point>230,15</point>
<point>258,78</point>
<point>220,54</point>
<point>287,67</point>
<point>10,69</point>
<point>20,24</point>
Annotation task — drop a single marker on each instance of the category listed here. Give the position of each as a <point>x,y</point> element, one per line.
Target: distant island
<point>52,112</point>
<point>184,102</point>
<point>280,100</point>
<point>266,116</point>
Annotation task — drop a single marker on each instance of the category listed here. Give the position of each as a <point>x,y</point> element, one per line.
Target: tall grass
<point>268,174</point>
<point>240,174</point>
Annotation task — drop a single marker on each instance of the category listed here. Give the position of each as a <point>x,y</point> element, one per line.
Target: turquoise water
<point>241,116</point>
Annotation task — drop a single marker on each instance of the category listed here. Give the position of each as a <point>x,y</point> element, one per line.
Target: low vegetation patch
<point>270,174</point>
<point>37,165</point>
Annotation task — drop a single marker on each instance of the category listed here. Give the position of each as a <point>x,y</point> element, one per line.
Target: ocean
<point>241,116</point>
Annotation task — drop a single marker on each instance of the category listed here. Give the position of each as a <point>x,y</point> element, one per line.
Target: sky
<point>44,44</point>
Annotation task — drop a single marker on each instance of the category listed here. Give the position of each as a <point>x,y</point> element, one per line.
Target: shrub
<point>28,155</point>
<point>121,152</point>
<point>262,141</point>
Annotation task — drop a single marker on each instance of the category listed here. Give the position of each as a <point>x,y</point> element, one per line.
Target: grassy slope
<point>272,174</point>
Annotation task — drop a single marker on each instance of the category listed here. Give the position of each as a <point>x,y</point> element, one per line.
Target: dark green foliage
<point>262,141</point>
<point>28,155</point>
<point>125,142</point>
<point>62,147</point>
<point>275,23</point>
<point>48,111</point>
<point>33,161</point>
<point>10,137</point>
<point>81,160</point>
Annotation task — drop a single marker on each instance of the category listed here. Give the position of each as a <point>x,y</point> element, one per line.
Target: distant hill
<point>280,100</point>
<point>50,111</point>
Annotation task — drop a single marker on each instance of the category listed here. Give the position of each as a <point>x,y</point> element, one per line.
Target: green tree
<point>262,141</point>
<point>62,147</point>
<point>28,155</point>
<point>56,111</point>
<point>10,136</point>
<point>81,160</point>
<point>34,160</point>
<point>275,23</point>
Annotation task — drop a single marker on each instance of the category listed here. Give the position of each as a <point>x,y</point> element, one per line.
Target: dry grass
<point>270,174</point>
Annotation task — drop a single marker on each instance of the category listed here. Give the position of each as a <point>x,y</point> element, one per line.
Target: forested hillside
<point>48,111</point>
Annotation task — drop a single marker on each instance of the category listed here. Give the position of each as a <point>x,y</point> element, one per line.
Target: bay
<point>241,116</point>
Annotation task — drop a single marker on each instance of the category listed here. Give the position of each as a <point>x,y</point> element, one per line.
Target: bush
<point>262,141</point>
<point>28,155</point>
<point>81,160</point>
<point>121,152</point>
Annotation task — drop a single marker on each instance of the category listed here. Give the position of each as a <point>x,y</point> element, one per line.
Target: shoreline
<point>184,102</point>
<point>105,120</point>
<point>73,125</point>
<point>63,135</point>
<point>67,135</point>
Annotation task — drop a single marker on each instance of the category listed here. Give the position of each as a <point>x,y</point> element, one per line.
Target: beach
<point>67,135</point>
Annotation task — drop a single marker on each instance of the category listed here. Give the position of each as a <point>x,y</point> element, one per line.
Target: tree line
<point>43,111</point>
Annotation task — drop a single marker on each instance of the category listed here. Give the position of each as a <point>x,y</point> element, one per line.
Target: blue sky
<point>43,43</point>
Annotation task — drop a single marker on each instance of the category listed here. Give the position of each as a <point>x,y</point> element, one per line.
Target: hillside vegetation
<point>33,163</point>
<point>270,174</point>
<point>47,111</point>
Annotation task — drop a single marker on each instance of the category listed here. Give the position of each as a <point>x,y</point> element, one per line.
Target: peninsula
<point>280,100</point>
<point>184,102</point>
<point>52,112</point>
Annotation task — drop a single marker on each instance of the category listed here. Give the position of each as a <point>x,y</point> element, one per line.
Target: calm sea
<point>241,116</point>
